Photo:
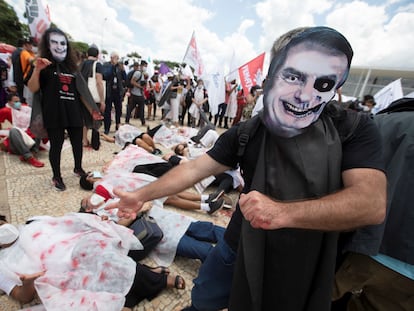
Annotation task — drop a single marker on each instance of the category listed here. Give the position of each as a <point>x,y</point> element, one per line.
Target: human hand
<point>97,116</point>
<point>41,63</point>
<point>128,205</point>
<point>261,211</point>
<point>30,278</point>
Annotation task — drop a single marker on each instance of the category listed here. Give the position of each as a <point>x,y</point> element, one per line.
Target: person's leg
<point>56,138</point>
<point>130,106</point>
<point>190,196</point>
<point>75,136</point>
<point>224,182</point>
<point>107,114</point>
<point>118,110</point>
<point>148,140</point>
<point>190,247</point>
<point>205,231</point>
<point>212,286</point>
<point>17,145</point>
<point>141,143</point>
<point>85,141</point>
<point>141,109</point>
<point>182,203</point>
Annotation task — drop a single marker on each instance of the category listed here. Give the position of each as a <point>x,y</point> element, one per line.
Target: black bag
<point>148,233</point>
<point>95,139</point>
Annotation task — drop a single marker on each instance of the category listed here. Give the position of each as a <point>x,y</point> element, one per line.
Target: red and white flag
<point>192,57</point>
<point>251,73</point>
<point>38,17</point>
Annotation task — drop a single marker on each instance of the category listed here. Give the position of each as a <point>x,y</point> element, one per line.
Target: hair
<point>10,96</point>
<point>3,218</point>
<point>254,88</point>
<point>93,51</point>
<point>44,51</point>
<point>84,183</point>
<point>177,150</point>
<point>319,38</point>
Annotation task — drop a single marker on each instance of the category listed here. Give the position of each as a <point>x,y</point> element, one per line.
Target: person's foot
<point>213,197</point>
<point>58,184</point>
<point>32,161</point>
<point>177,282</point>
<point>79,172</point>
<point>215,206</point>
<point>159,269</point>
<point>157,151</point>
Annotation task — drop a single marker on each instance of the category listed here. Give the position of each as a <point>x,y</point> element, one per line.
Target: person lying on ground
<point>20,280</point>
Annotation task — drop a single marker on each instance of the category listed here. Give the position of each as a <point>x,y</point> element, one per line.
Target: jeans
<point>212,286</point>
<point>197,241</point>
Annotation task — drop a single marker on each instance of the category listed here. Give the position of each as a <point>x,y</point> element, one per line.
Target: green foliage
<point>80,46</point>
<point>169,63</point>
<point>134,55</point>
<point>11,28</point>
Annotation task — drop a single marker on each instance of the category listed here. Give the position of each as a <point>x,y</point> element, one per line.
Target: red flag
<point>38,17</point>
<point>251,73</point>
<point>192,57</point>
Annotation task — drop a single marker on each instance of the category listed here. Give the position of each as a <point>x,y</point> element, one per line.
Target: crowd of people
<point>315,223</point>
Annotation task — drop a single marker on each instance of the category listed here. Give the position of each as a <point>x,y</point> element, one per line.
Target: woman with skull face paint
<point>56,75</point>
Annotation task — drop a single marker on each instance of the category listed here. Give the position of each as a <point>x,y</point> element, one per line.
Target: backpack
<point>17,68</point>
<point>344,125</point>
<point>129,77</point>
<point>3,70</point>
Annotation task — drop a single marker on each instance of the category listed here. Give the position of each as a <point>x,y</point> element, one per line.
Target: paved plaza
<point>26,191</point>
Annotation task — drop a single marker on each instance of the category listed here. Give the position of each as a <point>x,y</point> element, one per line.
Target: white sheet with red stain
<point>85,259</point>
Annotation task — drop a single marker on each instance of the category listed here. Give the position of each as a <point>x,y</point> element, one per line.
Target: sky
<point>229,33</point>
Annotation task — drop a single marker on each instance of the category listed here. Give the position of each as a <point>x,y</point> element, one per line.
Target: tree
<point>134,55</point>
<point>12,29</point>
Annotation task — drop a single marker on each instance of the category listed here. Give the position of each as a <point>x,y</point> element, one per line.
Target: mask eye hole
<point>324,84</point>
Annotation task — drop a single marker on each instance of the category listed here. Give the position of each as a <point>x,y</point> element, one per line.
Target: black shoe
<point>58,184</point>
<point>213,197</point>
<point>215,206</point>
<point>157,151</point>
<point>79,172</point>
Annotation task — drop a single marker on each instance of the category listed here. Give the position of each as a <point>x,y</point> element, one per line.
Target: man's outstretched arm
<point>176,180</point>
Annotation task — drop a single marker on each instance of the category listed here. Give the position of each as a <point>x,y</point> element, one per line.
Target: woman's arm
<point>34,84</point>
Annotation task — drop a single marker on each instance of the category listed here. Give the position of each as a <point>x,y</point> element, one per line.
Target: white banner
<point>193,58</point>
<point>38,18</point>
<point>387,95</point>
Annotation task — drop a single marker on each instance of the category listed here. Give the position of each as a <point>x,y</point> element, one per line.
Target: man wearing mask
<point>304,181</point>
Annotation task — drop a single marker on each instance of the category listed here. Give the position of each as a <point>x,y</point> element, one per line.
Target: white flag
<point>192,57</point>
<point>38,17</point>
<point>214,83</point>
<point>387,95</point>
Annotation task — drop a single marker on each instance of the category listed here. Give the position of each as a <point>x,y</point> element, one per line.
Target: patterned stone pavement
<point>26,191</point>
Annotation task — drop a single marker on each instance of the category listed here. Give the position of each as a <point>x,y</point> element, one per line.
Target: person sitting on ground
<point>20,140</point>
<point>147,283</point>
<point>128,134</point>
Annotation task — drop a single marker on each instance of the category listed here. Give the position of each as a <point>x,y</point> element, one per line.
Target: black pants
<point>137,102</point>
<point>56,138</point>
<point>147,285</point>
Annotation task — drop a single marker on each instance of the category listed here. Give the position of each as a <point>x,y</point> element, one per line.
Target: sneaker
<point>215,206</point>
<point>57,182</point>
<point>157,151</point>
<point>213,197</point>
<point>34,162</point>
<point>79,172</point>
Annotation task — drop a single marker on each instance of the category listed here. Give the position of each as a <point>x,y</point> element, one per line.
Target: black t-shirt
<point>86,68</point>
<point>61,104</point>
<point>361,150</point>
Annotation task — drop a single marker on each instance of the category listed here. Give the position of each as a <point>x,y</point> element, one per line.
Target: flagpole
<point>188,46</point>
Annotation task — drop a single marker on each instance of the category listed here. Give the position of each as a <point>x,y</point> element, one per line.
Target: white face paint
<point>58,46</point>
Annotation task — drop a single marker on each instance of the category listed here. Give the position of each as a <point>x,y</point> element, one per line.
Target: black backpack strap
<point>246,130</point>
<point>346,121</point>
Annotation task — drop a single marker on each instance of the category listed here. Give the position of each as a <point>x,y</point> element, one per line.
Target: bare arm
<point>361,202</point>
<point>26,292</point>
<point>33,84</point>
<point>176,180</point>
